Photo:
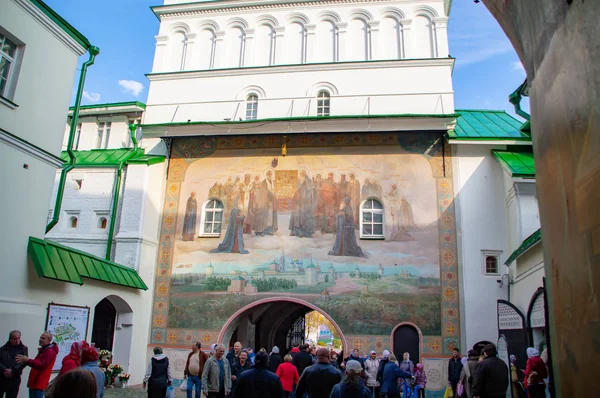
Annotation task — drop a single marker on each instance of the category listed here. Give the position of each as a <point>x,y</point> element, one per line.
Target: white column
<point>441,36</point>
<point>342,32</point>
<point>310,43</point>
<point>407,40</point>
<point>373,43</point>
<point>189,62</point>
<point>279,46</point>
<point>160,53</point>
<point>248,48</point>
<point>219,57</point>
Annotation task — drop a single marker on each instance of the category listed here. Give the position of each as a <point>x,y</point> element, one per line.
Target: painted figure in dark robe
<point>345,239</point>
<point>265,220</point>
<point>234,237</point>
<point>328,197</point>
<point>302,221</point>
<point>354,195</point>
<point>189,220</point>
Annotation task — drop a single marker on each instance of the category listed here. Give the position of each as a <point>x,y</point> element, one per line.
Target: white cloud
<point>131,86</point>
<point>91,97</point>
<point>517,66</point>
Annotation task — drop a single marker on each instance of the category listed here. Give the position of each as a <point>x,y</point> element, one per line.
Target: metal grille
<point>295,334</point>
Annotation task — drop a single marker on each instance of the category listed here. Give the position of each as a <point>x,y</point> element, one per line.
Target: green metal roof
<point>111,157</point>
<point>516,164</point>
<point>487,125</point>
<point>62,23</point>
<point>112,105</point>
<point>526,245</point>
<point>54,261</point>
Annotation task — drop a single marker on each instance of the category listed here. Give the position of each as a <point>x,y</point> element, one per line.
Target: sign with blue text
<point>67,324</point>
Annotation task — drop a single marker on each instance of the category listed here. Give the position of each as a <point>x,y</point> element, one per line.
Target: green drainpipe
<point>515,99</point>
<point>71,163</point>
<point>117,189</point>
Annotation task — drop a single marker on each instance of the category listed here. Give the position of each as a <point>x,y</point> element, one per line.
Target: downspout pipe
<point>70,165</point>
<point>117,190</point>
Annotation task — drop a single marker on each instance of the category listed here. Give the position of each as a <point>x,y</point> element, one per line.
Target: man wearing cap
<point>371,368</point>
<point>258,382</point>
<point>352,386</point>
<point>319,379</point>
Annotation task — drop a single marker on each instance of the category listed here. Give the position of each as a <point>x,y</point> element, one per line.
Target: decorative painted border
<point>432,146</point>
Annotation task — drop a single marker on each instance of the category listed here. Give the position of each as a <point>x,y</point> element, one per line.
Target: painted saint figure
<point>234,237</point>
<point>326,208</point>
<point>189,220</point>
<point>265,219</point>
<point>302,221</point>
<point>354,194</point>
<point>345,239</point>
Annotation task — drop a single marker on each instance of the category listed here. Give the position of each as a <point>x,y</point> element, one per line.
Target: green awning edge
<point>54,261</point>
<point>111,157</point>
<point>526,245</point>
<point>516,164</point>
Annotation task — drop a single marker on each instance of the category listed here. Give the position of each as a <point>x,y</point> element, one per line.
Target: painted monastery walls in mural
<point>242,223</point>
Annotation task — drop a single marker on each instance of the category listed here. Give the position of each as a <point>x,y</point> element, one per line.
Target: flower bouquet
<point>112,372</point>
<point>124,378</point>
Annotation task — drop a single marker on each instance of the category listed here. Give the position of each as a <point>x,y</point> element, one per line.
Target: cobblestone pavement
<point>133,392</point>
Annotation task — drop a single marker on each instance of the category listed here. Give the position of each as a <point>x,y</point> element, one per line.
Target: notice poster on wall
<point>68,324</point>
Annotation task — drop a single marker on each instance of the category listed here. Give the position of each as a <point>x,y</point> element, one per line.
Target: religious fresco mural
<point>241,224</point>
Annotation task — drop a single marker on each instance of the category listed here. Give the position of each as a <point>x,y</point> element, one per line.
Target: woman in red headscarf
<point>73,360</point>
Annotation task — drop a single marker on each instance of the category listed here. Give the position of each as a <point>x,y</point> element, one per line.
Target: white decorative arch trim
<point>248,90</point>
<point>208,24</point>
<point>297,17</point>
<point>392,12</point>
<point>267,20</point>
<point>329,16</point>
<point>179,27</point>
<point>320,86</point>
<point>361,14</point>
<point>425,11</point>
<point>238,22</point>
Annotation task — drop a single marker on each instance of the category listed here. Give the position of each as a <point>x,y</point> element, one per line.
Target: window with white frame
<point>9,55</point>
<point>251,107</point>
<point>323,101</point>
<point>103,135</point>
<point>371,219</point>
<point>212,218</point>
<point>491,263</point>
<point>78,135</point>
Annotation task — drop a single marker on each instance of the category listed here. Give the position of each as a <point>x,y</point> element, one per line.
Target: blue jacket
<point>342,390</point>
<point>391,373</point>
<point>93,367</point>
<point>258,383</point>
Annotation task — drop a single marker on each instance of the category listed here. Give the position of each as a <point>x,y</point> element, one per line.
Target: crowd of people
<point>305,372</point>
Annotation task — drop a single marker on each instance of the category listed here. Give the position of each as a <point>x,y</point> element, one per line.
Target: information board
<point>68,324</point>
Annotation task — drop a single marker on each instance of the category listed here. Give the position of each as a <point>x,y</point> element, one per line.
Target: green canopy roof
<point>516,164</point>
<point>487,125</point>
<point>112,157</point>
<point>54,261</point>
<point>526,245</point>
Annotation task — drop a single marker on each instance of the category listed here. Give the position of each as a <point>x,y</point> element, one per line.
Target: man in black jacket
<point>491,376</point>
<point>10,369</point>
<point>258,382</point>
<point>454,368</point>
<point>319,379</point>
<point>303,359</point>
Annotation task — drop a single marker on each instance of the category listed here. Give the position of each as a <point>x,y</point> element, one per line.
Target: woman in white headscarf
<point>535,373</point>
<point>274,359</point>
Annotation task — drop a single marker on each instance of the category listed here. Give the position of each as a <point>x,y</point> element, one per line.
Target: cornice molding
<point>192,9</point>
<point>51,27</point>
<point>247,71</point>
<point>30,149</point>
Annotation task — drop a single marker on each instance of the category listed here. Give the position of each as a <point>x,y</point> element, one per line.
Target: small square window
<point>491,263</point>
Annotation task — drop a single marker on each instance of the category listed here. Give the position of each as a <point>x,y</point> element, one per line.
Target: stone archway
<point>114,316</point>
<point>403,338</point>
<point>277,305</point>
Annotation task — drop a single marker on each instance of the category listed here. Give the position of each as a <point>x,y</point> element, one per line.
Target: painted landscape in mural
<point>255,227</point>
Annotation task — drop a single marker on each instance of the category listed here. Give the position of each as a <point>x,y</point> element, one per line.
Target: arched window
<point>102,223</point>
<point>251,107</point>
<point>212,218</point>
<point>371,219</point>
<point>73,222</point>
<point>491,264</point>
<point>323,101</point>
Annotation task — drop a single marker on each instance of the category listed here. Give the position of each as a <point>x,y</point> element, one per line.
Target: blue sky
<point>487,68</point>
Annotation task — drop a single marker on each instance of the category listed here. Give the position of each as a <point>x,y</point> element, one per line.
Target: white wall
<point>342,32</point>
<point>527,273</point>
<point>88,139</point>
<point>481,226</point>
